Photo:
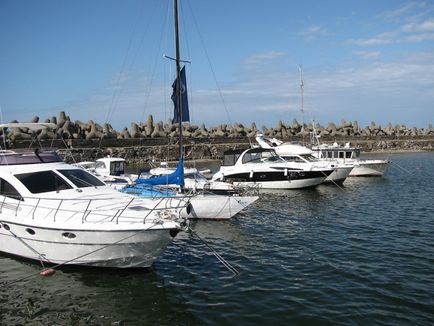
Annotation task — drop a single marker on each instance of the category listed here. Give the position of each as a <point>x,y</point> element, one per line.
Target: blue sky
<point>103,60</point>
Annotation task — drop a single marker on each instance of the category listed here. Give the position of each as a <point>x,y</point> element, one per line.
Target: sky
<point>107,61</point>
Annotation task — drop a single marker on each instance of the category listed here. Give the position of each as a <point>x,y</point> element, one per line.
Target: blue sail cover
<point>175,178</point>
<point>183,106</point>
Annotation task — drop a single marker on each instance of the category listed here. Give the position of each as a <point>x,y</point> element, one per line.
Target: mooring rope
<point>224,262</point>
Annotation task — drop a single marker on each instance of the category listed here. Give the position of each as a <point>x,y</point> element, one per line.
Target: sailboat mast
<point>178,76</point>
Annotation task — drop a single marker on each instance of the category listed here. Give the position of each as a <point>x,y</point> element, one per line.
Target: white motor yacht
<point>56,213</point>
<point>302,157</point>
<point>351,155</point>
<point>263,167</point>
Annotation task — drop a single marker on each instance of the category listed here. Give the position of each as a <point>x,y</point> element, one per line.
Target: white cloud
<point>263,57</point>
<point>415,27</point>
<point>312,32</point>
<point>367,54</point>
<point>383,38</point>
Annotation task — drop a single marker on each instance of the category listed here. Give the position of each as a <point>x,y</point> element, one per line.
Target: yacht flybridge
<point>263,167</point>
<point>351,155</point>
<point>56,213</point>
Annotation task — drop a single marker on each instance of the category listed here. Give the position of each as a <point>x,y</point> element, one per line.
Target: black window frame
<point>39,182</point>
<point>81,178</point>
<point>14,194</point>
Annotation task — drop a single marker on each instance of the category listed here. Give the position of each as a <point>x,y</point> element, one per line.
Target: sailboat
<point>203,205</point>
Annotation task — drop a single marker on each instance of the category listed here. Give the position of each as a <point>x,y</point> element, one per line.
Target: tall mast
<point>178,76</point>
<point>302,101</point>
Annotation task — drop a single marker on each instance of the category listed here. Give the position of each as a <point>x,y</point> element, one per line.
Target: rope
<point>401,168</point>
<point>26,244</point>
<point>333,181</point>
<point>216,254</point>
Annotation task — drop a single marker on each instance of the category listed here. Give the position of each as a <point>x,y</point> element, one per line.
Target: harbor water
<point>360,254</point>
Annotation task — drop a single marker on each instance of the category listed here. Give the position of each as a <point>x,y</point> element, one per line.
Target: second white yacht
<point>263,167</point>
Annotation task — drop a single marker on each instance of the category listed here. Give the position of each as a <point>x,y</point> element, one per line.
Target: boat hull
<point>369,169</point>
<point>216,206</point>
<point>128,248</point>
<point>339,175</point>
<point>278,179</point>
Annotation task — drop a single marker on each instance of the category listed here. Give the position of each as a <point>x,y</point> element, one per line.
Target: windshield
<point>42,181</point>
<point>81,178</point>
<point>309,157</point>
<point>258,157</point>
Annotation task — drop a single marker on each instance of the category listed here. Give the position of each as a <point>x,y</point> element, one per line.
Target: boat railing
<point>131,209</point>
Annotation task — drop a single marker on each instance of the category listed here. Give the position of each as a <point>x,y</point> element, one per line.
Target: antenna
<point>302,100</point>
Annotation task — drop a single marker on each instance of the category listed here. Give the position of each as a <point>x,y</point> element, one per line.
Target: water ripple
<point>358,255</point>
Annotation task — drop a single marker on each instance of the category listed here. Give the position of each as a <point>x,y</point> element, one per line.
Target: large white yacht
<point>351,155</point>
<point>263,167</point>
<point>56,213</point>
<point>300,156</point>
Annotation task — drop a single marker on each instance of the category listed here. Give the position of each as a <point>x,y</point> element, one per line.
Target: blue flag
<point>183,106</point>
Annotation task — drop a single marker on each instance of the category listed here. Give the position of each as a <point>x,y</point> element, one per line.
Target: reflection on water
<point>362,254</point>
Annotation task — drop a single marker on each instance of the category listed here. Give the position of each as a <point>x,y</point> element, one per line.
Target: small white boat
<point>351,155</point>
<point>195,181</point>
<point>300,156</point>
<point>263,167</point>
<point>56,213</point>
<point>197,203</point>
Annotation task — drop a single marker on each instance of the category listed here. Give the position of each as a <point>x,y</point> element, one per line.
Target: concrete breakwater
<point>148,141</point>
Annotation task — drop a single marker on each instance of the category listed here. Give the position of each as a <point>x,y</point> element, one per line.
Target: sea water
<point>360,254</point>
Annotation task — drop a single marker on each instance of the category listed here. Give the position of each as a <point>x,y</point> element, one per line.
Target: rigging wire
<point>210,63</point>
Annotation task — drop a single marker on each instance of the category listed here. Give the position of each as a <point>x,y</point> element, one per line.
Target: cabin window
<point>43,181</point>
<point>100,165</point>
<point>81,178</point>
<point>230,159</point>
<point>251,157</point>
<point>309,157</point>
<point>347,154</point>
<point>7,190</point>
<point>116,168</point>
<point>290,158</point>
<point>341,154</point>
<point>356,153</point>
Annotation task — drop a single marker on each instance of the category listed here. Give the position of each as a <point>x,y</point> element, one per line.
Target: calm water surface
<point>361,255</point>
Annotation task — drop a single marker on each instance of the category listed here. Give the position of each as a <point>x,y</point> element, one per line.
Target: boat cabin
<point>110,166</point>
<point>337,152</point>
<point>19,177</point>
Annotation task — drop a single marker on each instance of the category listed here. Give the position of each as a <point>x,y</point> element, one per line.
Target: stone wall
<point>77,130</point>
<point>146,142</point>
<point>213,148</point>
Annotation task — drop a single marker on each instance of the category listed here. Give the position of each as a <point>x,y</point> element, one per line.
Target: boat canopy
<point>175,178</point>
<point>34,157</point>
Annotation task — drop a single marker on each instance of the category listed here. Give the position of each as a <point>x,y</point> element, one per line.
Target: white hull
<point>111,248</point>
<point>216,206</point>
<point>285,184</point>
<point>339,175</point>
<point>375,168</point>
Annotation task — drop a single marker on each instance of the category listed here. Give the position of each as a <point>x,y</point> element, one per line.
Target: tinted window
<point>43,181</point>
<point>117,168</point>
<point>6,189</point>
<point>81,178</point>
